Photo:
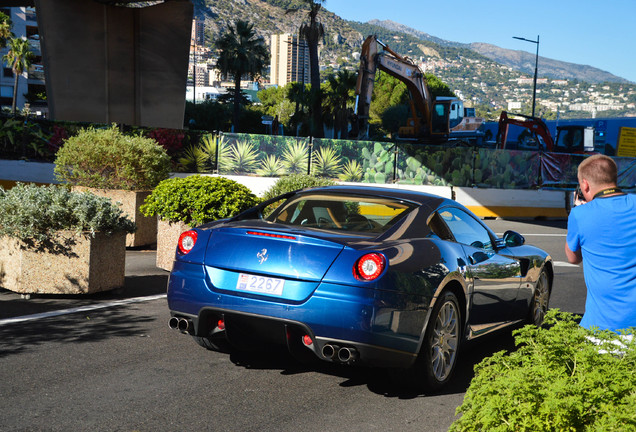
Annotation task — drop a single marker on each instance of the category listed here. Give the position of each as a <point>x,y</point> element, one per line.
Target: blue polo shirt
<point>605,232</point>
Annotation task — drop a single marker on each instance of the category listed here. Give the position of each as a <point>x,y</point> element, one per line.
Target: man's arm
<point>573,257</point>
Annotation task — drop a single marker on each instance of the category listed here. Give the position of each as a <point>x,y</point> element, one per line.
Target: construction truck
<point>432,120</point>
<point>536,135</point>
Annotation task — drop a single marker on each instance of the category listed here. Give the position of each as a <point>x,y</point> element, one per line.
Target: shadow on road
<point>73,328</point>
<point>13,305</point>
<point>380,381</point>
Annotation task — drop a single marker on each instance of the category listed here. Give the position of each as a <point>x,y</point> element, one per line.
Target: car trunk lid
<point>264,262</point>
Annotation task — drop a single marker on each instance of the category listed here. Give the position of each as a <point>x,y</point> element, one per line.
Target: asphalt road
<point>109,362</point>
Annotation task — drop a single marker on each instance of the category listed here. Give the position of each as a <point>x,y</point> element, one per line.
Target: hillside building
<point>289,60</point>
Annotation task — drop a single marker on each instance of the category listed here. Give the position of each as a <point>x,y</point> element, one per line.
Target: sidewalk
<point>143,278</point>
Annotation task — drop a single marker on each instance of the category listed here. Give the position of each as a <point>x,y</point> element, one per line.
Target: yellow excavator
<point>432,120</point>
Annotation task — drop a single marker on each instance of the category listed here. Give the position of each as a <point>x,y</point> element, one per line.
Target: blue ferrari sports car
<point>358,275</point>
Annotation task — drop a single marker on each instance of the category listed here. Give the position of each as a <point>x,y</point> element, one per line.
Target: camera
<point>578,195</point>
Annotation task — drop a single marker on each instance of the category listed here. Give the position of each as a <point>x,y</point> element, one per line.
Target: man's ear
<point>585,185</point>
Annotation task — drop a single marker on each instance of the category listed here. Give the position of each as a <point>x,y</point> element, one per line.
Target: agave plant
<point>210,145</point>
<point>271,166</point>
<point>327,162</point>
<point>193,159</point>
<point>243,157</point>
<point>295,157</point>
<point>351,172</point>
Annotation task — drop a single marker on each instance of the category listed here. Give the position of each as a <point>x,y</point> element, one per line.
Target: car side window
<point>466,229</point>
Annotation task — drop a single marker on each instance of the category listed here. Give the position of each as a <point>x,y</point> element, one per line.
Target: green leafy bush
<point>35,214</point>
<point>108,159</point>
<point>295,182</point>
<point>197,199</point>
<point>557,380</point>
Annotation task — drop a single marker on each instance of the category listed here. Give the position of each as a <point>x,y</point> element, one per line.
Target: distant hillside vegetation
<point>519,60</point>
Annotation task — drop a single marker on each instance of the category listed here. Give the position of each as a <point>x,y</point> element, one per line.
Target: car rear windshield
<point>342,212</point>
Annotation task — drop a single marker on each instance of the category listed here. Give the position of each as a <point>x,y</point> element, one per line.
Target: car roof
<point>423,198</point>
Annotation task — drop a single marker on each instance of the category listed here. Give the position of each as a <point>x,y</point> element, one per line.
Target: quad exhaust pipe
<point>339,354</point>
<point>181,324</point>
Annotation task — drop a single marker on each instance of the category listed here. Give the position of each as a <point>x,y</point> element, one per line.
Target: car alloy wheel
<point>444,341</point>
<point>540,300</point>
<point>441,343</point>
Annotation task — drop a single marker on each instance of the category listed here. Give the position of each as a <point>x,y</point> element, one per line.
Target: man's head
<point>596,173</point>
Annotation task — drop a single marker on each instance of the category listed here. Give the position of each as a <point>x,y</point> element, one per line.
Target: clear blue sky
<point>588,32</point>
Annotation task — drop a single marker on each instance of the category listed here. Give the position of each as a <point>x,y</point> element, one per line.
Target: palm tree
<point>19,58</point>
<point>298,95</point>
<point>241,53</point>
<point>312,32</point>
<point>340,92</point>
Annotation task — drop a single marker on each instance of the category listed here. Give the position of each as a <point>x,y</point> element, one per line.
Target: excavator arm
<point>402,68</point>
<point>533,124</point>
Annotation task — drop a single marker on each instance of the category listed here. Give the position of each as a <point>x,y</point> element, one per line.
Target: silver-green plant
<point>35,215</point>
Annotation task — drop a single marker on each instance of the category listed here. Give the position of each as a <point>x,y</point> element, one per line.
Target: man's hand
<point>578,197</point>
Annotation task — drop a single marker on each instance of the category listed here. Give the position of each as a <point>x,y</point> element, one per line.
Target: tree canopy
<point>18,58</point>
<point>241,52</point>
<point>5,29</point>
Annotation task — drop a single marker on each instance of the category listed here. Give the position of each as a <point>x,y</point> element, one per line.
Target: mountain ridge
<point>517,59</point>
<point>486,77</point>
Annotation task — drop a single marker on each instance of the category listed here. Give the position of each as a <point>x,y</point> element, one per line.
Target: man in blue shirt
<point>602,235</point>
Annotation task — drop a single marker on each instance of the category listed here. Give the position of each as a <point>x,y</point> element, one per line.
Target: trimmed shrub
<point>197,199</point>
<point>295,182</point>
<point>562,377</point>
<point>108,159</point>
<point>36,214</point>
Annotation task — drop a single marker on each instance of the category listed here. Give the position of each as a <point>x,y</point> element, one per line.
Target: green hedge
<point>557,380</point>
<point>198,199</point>
<point>108,159</point>
<point>295,182</point>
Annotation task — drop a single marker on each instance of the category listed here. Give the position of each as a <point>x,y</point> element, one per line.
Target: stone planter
<point>91,264</point>
<point>146,233</point>
<point>167,237</point>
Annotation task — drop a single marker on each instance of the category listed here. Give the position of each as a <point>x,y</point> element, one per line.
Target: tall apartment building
<point>289,60</point>
<point>31,82</point>
<point>198,32</point>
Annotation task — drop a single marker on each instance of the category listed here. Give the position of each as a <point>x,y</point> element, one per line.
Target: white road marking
<point>564,264</point>
<point>86,308</point>
<point>538,235</point>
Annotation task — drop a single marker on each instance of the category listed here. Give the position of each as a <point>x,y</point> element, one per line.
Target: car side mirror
<point>513,238</point>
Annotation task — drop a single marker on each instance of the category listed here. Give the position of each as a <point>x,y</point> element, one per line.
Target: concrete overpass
<point>106,62</point>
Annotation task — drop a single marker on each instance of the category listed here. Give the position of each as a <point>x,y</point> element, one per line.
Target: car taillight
<point>369,267</point>
<point>187,241</point>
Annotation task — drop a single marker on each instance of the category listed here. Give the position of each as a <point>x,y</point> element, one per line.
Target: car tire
<point>438,355</point>
<point>437,358</point>
<point>540,300</point>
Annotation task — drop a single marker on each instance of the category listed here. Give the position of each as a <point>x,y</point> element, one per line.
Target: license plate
<point>260,284</point>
